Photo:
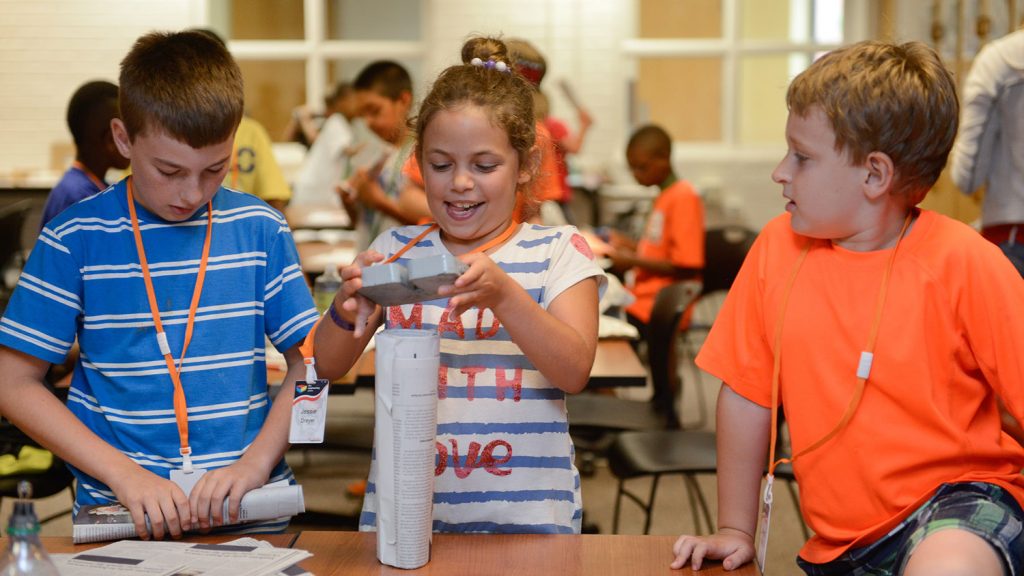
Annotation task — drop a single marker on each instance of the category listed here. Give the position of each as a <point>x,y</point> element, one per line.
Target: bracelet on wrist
<point>338,320</point>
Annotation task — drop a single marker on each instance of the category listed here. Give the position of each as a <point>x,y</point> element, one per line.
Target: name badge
<point>766,522</point>
<point>309,412</point>
<point>186,480</point>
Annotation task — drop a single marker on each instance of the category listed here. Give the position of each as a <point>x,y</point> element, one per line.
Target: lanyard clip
<point>186,459</point>
<point>310,369</point>
<point>161,340</point>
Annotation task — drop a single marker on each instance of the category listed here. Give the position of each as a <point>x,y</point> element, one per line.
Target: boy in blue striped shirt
<point>171,284</point>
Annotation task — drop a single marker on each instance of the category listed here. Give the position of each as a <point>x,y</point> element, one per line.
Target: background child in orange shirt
<point>888,334</point>
<point>672,246</point>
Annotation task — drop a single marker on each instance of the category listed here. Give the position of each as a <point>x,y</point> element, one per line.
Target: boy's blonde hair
<point>896,99</point>
<point>505,95</point>
<point>183,83</point>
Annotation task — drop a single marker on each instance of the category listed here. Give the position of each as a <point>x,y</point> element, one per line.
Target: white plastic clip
<point>186,460</point>
<point>310,369</point>
<point>161,340</point>
<point>864,366</point>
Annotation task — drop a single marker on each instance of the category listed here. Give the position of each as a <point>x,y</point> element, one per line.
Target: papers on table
<point>241,557</point>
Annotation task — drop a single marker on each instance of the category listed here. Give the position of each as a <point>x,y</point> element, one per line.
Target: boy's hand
<point>483,285</point>
<point>146,494</point>
<point>733,547</point>
<point>347,302</point>
<point>228,483</point>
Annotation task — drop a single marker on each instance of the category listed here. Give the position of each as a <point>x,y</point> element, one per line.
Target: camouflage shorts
<point>976,507</point>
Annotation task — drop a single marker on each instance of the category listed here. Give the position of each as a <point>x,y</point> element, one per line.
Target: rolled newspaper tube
<point>405,429</point>
<point>265,503</point>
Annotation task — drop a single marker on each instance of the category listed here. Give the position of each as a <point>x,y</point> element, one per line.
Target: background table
<point>615,365</point>
<point>317,217</point>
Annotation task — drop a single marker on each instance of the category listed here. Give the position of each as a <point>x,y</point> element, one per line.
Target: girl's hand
<point>483,285</point>
<point>347,302</point>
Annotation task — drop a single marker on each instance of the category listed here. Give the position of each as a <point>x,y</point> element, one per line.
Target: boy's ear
<point>880,174</point>
<point>405,98</point>
<point>121,139</point>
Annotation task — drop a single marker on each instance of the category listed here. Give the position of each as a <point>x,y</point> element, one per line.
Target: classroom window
<point>293,52</point>
<point>726,86</point>
<point>361,20</point>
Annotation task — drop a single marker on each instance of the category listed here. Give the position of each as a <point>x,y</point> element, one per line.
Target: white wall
<point>579,38</point>
<point>50,47</point>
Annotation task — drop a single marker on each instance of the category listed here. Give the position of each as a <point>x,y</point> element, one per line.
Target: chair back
<point>724,251</point>
<point>669,305</point>
<point>12,221</point>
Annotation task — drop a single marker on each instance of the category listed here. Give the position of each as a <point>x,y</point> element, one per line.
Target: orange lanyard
<point>307,345</point>
<point>88,174</point>
<point>863,367</point>
<point>180,406</point>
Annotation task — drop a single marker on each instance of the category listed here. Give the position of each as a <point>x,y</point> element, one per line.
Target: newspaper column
<point>405,429</point>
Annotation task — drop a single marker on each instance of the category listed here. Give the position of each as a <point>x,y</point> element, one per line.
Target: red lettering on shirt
<point>501,382</point>
<point>442,459</point>
<point>442,382</point>
<point>471,372</point>
<point>490,463</point>
<point>495,325</point>
<point>449,324</point>
<point>474,458</point>
<point>415,319</point>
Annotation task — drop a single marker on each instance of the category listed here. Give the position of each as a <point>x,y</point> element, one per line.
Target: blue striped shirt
<point>84,280</point>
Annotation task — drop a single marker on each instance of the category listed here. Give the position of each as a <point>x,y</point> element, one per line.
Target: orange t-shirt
<point>949,341</point>
<point>549,183</point>
<point>546,184</point>
<point>674,232</point>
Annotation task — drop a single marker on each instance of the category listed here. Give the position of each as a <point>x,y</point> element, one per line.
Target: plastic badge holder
<point>392,284</point>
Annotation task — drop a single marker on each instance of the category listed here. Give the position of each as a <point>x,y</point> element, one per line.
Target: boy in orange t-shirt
<point>888,333</point>
<point>672,246</point>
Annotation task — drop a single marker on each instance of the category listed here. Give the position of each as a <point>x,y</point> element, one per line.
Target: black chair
<point>725,249</point>
<point>656,453</point>
<point>12,222</point>
<point>594,418</point>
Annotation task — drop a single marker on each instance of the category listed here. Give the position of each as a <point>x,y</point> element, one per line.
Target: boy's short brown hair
<point>183,83</point>
<point>896,99</point>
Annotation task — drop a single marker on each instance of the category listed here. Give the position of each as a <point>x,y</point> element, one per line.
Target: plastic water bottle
<point>325,287</point>
<point>25,554</point>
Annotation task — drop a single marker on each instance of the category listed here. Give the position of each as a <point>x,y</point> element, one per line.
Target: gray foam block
<point>392,284</point>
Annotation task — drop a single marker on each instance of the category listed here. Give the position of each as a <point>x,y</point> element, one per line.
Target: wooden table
<point>355,553</point>
<point>615,364</point>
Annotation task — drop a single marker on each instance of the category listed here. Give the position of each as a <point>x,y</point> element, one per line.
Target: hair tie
<point>499,65</point>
